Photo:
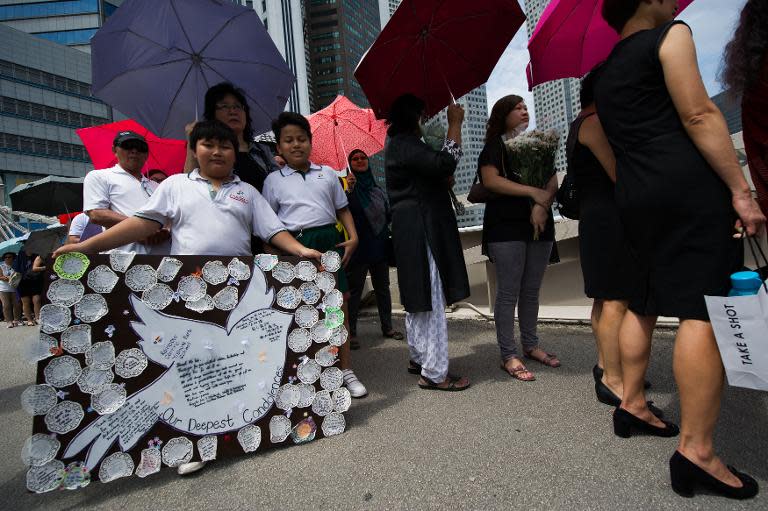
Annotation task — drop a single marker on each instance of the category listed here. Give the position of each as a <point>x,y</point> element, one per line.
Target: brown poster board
<point>146,361</point>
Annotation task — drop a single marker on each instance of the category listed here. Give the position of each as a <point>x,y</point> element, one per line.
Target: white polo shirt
<point>82,227</point>
<point>119,191</point>
<point>306,200</point>
<point>205,225</point>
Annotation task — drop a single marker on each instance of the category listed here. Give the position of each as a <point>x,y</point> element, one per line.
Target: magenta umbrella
<point>570,39</point>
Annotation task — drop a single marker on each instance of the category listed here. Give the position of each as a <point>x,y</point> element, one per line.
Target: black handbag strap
<point>753,243</point>
<point>573,136</point>
<point>503,166</point>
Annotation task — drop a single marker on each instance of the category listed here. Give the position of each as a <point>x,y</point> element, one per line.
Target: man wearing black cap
<point>112,195</point>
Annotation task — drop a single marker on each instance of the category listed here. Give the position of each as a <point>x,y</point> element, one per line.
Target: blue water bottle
<point>745,283</point>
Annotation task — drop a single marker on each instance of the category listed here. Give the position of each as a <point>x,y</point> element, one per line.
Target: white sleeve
<point>96,190</point>
<point>265,221</point>
<point>269,194</point>
<point>78,224</point>
<point>338,196</point>
<point>162,205</point>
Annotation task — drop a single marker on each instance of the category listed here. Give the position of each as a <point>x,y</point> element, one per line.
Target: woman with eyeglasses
<point>370,210</point>
<point>255,160</point>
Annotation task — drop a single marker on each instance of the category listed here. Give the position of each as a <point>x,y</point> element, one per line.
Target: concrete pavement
<point>502,444</point>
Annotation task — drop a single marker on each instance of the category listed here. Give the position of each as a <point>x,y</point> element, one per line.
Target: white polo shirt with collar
<point>117,190</point>
<point>305,200</point>
<point>205,222</point>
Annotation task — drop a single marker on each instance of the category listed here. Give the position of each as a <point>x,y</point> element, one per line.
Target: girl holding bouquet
<point>518,233</point>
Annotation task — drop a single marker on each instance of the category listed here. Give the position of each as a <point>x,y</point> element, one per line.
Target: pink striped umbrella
<point>342,127</point>
<point>570,39</point>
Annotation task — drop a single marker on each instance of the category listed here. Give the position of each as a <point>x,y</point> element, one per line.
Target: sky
<point>712,22</point>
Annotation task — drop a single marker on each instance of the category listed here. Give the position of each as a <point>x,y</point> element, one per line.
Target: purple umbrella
<point>153,60</point>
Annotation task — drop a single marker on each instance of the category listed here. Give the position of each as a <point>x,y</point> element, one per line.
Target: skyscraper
<point>475,105</point>
<point>556,103</point>
<point>67,22</point>
<point>340,31</point>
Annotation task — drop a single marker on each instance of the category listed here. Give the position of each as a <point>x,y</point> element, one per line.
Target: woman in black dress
<point>680,191</point>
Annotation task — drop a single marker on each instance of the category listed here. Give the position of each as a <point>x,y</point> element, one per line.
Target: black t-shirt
<point>508,218</point>
<point>249,171</point>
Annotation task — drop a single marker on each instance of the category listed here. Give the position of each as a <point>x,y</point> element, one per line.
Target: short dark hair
<point>290,119</point>
<point>617,12</point>
<point>404,115</point>
<point>155,171</point>
<point>212,130</point>
<point>216,94</point>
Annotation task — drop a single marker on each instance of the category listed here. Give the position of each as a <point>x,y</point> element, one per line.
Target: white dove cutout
<point>218,379</point>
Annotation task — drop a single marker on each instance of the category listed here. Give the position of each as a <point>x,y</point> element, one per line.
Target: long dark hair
<point>745,55</point>
<point>404,115</point>
<point>216,94</point>
<point>497,124</point>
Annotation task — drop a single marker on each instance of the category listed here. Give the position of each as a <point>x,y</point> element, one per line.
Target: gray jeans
<point>520,269</point>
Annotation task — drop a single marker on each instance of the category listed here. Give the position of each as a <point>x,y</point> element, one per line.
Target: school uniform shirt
<point>206,222</point>
<point>305,200</point>
<point>117,190</point>
<point>7,271</point>
<point>82,227</point>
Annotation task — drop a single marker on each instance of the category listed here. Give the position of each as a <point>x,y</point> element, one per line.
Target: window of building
<point>37,77</point>
<point>10,143</point>
<point>82,36</point>
<point>48,114</point>
<point>42,9</point>
<point>325,35</point>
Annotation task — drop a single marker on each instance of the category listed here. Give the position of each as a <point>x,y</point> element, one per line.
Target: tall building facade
<point>340,31</point>
<point>285,23</point>
<point>556,103</point>
<point>475,105</point>
<point>68,22</point>
<point>45,94</point>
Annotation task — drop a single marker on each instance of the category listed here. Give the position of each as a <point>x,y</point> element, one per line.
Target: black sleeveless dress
<point>676,210</point>
<point>608,266</point>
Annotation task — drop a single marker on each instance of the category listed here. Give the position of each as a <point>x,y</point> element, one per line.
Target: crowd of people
<point>664,206</point>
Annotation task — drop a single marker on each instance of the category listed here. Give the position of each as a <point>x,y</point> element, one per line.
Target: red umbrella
<point>437,50</point>
<point>570,39</point>
<point>342,127</point>
<point>165,154</point>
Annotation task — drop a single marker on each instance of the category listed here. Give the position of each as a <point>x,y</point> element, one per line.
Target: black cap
<point>125,136</point>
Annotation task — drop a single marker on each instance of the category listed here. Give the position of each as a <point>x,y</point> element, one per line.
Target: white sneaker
<point>354,386</point>
<point>190,468</point>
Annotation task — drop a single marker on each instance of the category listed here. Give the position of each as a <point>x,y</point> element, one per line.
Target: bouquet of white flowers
<point>532,157</point>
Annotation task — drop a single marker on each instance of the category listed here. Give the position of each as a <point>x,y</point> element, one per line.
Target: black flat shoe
<point>624,422</point>
<point>686,476</point>
<point>597,374</point>
<point>606,396</point>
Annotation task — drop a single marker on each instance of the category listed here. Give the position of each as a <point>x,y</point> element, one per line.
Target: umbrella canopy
<point>45,241</point>
<point>570,39</point>
<point>437,50</point>
<point>154,59</point>
<point>165,154</point>
<point>342,127</point>
<point>49,196</point>
<point>13,245</point>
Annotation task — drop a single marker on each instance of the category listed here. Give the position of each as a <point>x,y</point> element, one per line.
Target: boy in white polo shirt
<point>210,211</point>
<point>308,199</point>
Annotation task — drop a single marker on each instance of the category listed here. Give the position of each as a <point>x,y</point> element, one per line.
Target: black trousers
<point>356,274</point>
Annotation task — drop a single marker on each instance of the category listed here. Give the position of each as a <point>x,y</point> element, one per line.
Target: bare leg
<point>699,376</point>
<point>611,319</point>
<point>597,308</point>
<point>26,304</point>
<point>635,348</point>
<point>37,303</point>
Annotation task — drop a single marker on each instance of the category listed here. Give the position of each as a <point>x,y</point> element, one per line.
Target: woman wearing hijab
<point>369,207</point>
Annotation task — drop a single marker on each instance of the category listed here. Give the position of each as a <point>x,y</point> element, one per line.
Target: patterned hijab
<point>371,197</point>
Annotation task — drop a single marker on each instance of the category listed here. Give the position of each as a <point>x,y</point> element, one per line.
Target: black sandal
<point>413,367</point>
<point>394,334</point>
<point>451,387</point>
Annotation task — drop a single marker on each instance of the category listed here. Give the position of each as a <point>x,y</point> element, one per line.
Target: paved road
<point>500,445</point>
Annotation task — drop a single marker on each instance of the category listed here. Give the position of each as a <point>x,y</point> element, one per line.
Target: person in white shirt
<point>307,199</point>
<point>209,200</point>
<point>11,308</point>
<point>81,228</point>
<point>112,195</point>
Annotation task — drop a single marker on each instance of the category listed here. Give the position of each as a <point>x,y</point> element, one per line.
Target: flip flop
<point>549,360</point>
<point>452,387</point>
<point>517,371</point>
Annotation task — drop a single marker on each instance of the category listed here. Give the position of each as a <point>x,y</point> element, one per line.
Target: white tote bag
<point>741,328</point>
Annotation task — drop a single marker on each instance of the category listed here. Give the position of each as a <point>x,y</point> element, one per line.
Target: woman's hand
<point>751,219</point>
<point>455,114</point>
<point>349,247</point>
<point>189,127</point>
<point>539,217</point>
<point>542,197</point>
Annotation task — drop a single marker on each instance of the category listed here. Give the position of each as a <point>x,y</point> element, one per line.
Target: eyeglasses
<point>236,107</point>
